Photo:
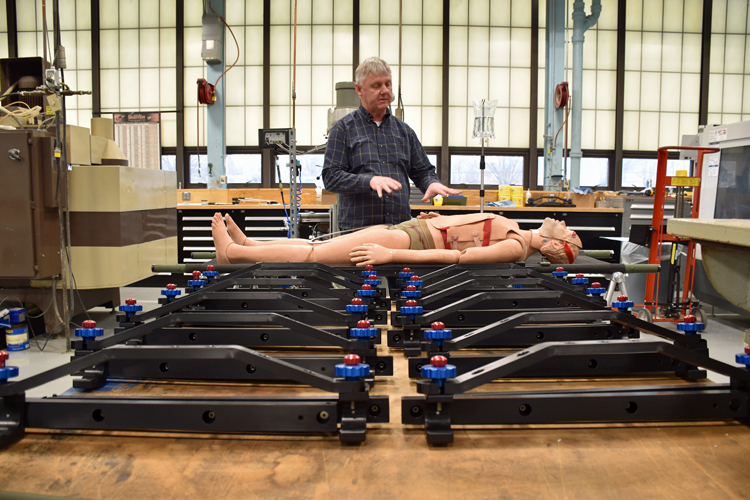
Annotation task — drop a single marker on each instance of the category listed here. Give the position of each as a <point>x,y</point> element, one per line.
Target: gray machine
<point>725,190</point>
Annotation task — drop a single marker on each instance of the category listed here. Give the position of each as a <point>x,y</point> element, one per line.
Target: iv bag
<point>484,119</point>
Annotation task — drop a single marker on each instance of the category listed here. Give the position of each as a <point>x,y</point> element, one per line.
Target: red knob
<point>196,275</point>
<point>210,268</point>
<point>131,302</point>
<point>357,301</point>
<point>406,270</point>
<point>363,323</point>
<point>690,318</point>
<point>414,278</point>
<point>438,325</point>
<point>89,323</point>
<point>559,270</point>
<point>411,288</point>
<point>366,287</point>
<point>3,357</point>
<point>171,286</point>
<point>596,285</point>
<point>352,359</point>
<point>747,350</point>
<point>579,275</point>
<point>372,277</point>
<point>411,303</point>
<point>368,267</point>
<point>622,298</point>
<point>438,361</point>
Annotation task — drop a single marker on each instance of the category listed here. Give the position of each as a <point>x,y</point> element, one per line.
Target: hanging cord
<point>562,98</point>
<point>235,41</point>
<point>198,139</point>
<point>294,71</point>
<point>399,103</point>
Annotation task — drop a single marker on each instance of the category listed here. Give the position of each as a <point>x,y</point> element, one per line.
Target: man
<point>371,155</point>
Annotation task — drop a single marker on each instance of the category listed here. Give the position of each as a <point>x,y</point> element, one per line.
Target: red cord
<point>206,92</point>
<point>235,41</point>
<point>561,95</point>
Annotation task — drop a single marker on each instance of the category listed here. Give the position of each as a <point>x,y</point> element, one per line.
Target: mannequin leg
<point>334,252</point>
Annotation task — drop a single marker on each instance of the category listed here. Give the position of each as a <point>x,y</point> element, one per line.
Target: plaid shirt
<point>357,151</point>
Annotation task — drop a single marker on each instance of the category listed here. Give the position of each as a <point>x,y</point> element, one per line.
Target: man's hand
<point>387,184</point>
<point>436,188</point>
<point>370,253</point>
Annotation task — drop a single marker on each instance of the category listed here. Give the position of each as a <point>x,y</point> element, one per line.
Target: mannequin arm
<point>509,250</point>
<point>371,253</point>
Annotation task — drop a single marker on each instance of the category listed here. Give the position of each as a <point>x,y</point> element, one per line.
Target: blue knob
<point>596,289</point>
<point>171,291</point>
<point>89,330</point>
<point>411,310</point>
<point>411,294</point>
<point>416,283</point>
<point>367,293</point>
<point>8,372</point>
<point>351,368</point>
<point>363,332</point>
<point>518,286</point>
<point>352,308</point>
<point>579,281</point>
<point>439,370</point>
<point>622,303</point>
<point>743,359</point>
<point>372,282</point>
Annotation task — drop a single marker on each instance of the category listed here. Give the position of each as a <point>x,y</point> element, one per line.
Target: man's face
<point>376,93</point>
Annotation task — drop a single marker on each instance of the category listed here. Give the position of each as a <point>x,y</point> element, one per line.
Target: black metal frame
<point>353,408</point>
<point>442,407</point>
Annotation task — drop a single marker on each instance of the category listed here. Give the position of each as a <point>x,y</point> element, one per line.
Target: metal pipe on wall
<point>581,23</point>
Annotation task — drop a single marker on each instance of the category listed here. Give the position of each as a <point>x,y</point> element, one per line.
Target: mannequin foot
<point>222,240</point>
<point>236,233</point>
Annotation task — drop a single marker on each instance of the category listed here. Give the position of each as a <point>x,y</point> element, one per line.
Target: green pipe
<point>204,255</point>
<point>598,254</point>
<point>597,268</point>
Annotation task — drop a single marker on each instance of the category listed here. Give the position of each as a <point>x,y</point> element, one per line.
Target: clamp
<point>439,370</point>
<point>411,292</point>
<point>130,308</point>
<point>690,325</point>
<point>363,330</point>
<point>438,333</point>
<point>356,306</point>
<point>623,304</point>
<point>6,372</point>
<point>352,369</point>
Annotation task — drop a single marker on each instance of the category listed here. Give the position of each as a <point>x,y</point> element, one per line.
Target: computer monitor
<point>733,188</point>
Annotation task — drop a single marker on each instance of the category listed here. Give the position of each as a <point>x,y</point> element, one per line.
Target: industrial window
<point>662,73</point>
<point>641,172</point>
<point>490,54</point>
<point>138,59</point>
<point>499,170</point>
<point>324,57</point>
<point>594,171</point>
<point>75,35</point>
<point>598,95</point>
<point>312,165</point>
<point>729,80</point>
<point>169,162</point>
<point>421,58</point>
<point>3,30</point>
<point>240,168</point>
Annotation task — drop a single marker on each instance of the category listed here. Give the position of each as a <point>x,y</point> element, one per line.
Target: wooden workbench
<point>707,460</point>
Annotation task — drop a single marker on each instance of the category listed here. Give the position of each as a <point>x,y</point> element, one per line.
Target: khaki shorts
<point>418,232</point>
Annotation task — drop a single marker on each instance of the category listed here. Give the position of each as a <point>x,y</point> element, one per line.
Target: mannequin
<point>428,239</point>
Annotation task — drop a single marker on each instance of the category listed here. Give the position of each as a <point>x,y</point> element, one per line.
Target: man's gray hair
<point>371,66</point>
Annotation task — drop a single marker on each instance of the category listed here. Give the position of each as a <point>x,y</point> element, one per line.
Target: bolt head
<point>406,270</point>
<point>210,268</point>
<point>356,301</point>
<point>690,319</point>
<point>596,285</point>
<point>579,275</point>
<point>89,323</point>
<point>559,270</point>
<point>171,286</point>
<point>196,275</point>
<point>366,287</point>
<point>438,361</point>
<point>131,302</point>
<point>411,303</point>
<point>369,267</point>
<point>411,288</point>
<point>363,323</point>
<point>438,325</point>
<point>622,298</point>
<point>352,360</point>
<point>414,278</point>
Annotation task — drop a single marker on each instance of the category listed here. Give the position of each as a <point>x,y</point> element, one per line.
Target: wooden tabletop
<point>643,461</point>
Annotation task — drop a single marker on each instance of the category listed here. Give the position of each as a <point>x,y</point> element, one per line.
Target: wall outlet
<point>186,196</point>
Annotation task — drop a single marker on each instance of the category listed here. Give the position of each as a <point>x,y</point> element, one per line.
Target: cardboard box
<point>584,200</point>
<point>78,145</point>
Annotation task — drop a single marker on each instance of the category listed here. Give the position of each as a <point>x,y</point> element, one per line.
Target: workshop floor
<point>724,333</point>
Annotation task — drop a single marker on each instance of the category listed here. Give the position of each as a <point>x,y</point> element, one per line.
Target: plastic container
<point>15,315</point>
<point>17,337</point>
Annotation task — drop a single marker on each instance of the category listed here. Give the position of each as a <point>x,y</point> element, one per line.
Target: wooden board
<point>707,460</point>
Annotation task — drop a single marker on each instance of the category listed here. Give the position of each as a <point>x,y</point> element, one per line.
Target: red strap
<point>569,252</point>
<point>487,231</point>
<point>444,232</point>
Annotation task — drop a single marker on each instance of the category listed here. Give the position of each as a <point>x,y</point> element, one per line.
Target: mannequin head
<point>560,245</point>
